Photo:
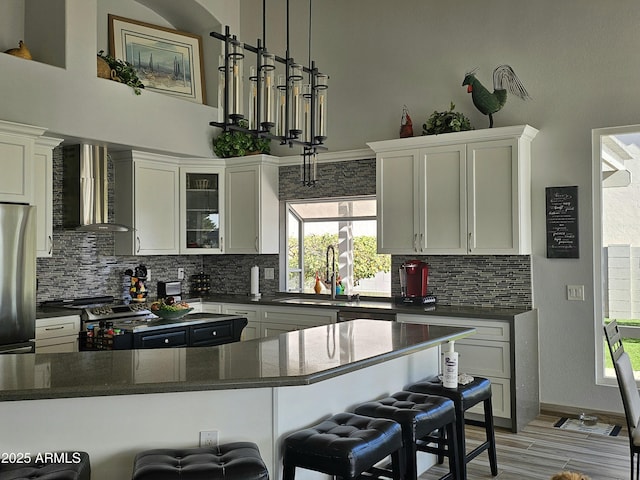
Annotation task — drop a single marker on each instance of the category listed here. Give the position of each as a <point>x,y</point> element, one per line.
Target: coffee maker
<point>413,282</point>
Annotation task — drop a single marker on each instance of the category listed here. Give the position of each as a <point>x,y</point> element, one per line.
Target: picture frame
<point>166,60</point>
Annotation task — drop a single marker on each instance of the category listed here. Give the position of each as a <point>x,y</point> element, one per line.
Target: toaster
<point>170,289</point>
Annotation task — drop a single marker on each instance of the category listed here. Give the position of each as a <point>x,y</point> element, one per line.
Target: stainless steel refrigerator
<point>17,278</point>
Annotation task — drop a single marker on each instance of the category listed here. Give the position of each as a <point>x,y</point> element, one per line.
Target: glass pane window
<point>349,226</point>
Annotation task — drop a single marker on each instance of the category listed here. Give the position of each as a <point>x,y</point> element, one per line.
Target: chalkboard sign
<point>562,222</point>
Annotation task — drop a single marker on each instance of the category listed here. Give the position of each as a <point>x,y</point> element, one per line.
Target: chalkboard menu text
<point>562,222</point>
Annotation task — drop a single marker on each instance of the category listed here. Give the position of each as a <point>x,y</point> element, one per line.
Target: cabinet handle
<point>470,242</point>
<point>50,244</point>
<point>256,244</point>
<point>415,242</point>
<point>421,242</point>
<point>54,328</point>
<point>138,244</point>
<point>222,244</point>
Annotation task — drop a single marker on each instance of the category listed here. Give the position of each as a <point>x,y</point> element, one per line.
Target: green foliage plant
<point>234,143</point>
<point>124,72</point>
<point>446,122</point>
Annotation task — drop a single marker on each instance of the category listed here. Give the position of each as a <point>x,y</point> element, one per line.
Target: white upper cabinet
<point>456,193</point>
<point>251,205</point>
<point>146,199</point>
<point>16,161</point>
<point>201,208</point>
<point>43,193</point>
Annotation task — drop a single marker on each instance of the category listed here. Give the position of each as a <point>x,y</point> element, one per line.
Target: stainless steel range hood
<point>85,189</point>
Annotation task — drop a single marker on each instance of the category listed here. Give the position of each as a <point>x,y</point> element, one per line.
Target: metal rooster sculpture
<point>504,78</point>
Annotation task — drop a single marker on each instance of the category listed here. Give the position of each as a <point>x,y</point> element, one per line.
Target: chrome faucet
<point>331,280</point>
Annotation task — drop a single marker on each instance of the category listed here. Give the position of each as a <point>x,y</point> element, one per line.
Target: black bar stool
<point>464,397</point>
<point>230,461</point>
<point>421,417</point>
<point>345,445</point>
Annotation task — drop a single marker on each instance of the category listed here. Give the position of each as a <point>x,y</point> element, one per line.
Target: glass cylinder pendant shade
<point>307,134</point>
<point>253,99</point>
<point>321,106</point>
<point>282,106</point>
<point>236,57</point>
<point>269,91</point>
<point>295,100</point>
<point>221,83</point>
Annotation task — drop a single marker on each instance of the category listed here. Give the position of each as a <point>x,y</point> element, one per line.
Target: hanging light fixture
<point>280,106</point>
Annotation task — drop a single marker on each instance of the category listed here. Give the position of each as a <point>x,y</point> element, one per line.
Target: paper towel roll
<point>255,280</point>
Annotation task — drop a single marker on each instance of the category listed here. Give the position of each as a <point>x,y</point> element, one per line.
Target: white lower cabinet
<point>277,320</point>
<point>251,313</point>
<point>57,334</point>
<point>269,321</point>
<point>504,352</point>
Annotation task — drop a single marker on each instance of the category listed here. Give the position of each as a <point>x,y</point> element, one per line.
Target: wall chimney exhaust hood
<point>85,189</point>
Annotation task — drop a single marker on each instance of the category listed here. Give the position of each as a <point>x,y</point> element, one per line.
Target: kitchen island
<point>114,404</point>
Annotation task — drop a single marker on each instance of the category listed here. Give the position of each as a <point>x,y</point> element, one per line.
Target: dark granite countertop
<point>321,353</point>
<point>368,304</point>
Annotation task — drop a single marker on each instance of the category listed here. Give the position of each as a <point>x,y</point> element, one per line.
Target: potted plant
<point>445,122</point>
<point>234,143</point>
<point>122,71</point>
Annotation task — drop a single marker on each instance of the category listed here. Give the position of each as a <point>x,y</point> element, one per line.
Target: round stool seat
<point>344,445</point>
<point>231,461</point>
<point>419,416</point>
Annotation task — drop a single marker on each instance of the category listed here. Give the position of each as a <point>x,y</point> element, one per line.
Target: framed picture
<point>166,60</point>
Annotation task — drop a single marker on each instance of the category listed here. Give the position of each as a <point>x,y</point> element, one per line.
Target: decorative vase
<point>104,70</point>
<point>22,51</point>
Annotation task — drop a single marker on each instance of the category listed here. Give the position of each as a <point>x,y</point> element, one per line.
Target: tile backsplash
<point>84,264</point>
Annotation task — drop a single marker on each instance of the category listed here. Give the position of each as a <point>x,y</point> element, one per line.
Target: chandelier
<point>281,105</point>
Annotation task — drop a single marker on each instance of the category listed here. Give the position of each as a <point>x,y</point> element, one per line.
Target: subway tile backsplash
<point>84,265</point>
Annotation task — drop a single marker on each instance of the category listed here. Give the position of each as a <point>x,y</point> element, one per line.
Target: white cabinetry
<point>458,193</point>
<point>201,208</point>
<point>506,353</point>
<point>277,320</point>
<point>146,200</point>
<point>16,161</point>
<point>251,312</point>
<point>251,205</point>
<point>57,334</point>
<point>43,193</point>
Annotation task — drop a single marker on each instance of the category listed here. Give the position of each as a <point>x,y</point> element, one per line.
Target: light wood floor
<point>540,451</point>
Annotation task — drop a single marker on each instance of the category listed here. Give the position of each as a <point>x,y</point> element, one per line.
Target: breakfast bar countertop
<point>301,357</point>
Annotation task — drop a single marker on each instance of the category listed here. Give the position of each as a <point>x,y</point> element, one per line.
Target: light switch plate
<point>269,273</point>
<point>575,292</point>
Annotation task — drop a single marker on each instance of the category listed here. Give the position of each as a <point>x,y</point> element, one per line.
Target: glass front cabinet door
<point>201,207</point>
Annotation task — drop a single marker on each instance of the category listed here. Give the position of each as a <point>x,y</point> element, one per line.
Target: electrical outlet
<point>209,439</point>
<point>180,273</point>
<point>148,275</point>
<point>269,273</point>
<point>575,292</point>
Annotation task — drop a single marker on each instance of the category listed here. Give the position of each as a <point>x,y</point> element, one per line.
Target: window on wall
<point>617,242</point>
<point>347,224</point>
